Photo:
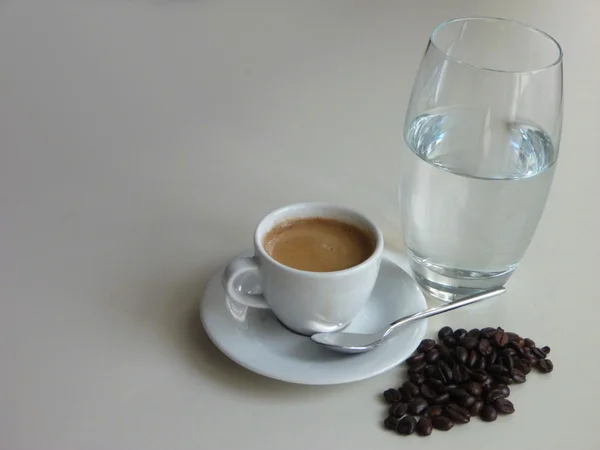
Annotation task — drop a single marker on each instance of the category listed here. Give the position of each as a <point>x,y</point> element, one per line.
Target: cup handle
<point>233,270</point>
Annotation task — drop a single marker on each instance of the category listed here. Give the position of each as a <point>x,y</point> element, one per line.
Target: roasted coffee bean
<point>392,396</point>
<point>500,338</point>
<point>480,376</point>
<point>461,373</point>
<point>546,349</point>
<point>398,409</point>
<point>529,343</point>
<point>488,332</point>
<point>526,351</point>
<point>461,354</point>
<point>493,395</point>
<point>431,370</point>
<point>446,371</point>
<point>415,359</point>
<point>467,402</point>
<point>445,353</point>
<point>516,346</point>
<point>504,406</point>
<point>485,348</point>
<point>428,392</point>
<point>468,342</point>
<point>504,379</point>
<point>417,368</point>
<point>434,410</point>
<point>405,396</point>
<point>517,376</point>
<point>407,425</point>
<point>504,389</point>
<point>488,413</point>
<point>475,333</point>
<point>513,337</point>
<point>457,394</point>
<point>450,342</point>
<point>391,423</point>
<point>417,378</point>
<point>523,366</point>
<point>457,413</point>
<point>417,406</point>
<point>491,359</point>
<point>473,359</point>
<point>442,423</point>
<point>497,369</point>
<point>410,388</point>
<point>546,365</point>
<point>436,384</point>
<point>432,355</point>
<point>445,332</point>
<point>426,345</point>
<point>459,334</point>
<point>538,353</point>
<point>508,351</point>
<point>476,408</point>
<point>441,399</point>
<point>508,362</point>
<point>480,364</point>
<point>474,388</point>
<point>424,426</point>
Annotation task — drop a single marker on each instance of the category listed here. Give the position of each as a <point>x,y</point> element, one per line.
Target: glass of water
<point>483,128</point>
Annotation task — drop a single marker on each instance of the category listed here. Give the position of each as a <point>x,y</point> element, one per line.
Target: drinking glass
<point>483,128</point>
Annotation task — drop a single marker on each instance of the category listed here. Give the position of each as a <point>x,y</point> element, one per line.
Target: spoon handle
<point>444,308</point>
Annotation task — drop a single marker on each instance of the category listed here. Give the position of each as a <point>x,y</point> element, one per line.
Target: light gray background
<point>140,142</point>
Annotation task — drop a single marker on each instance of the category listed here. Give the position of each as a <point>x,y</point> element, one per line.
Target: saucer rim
<point>388,255</point>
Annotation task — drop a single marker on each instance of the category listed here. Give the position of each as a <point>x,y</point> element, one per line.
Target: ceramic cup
<point>306,302</point>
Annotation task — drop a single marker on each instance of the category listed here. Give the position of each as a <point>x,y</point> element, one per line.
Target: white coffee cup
<point>306,302</point>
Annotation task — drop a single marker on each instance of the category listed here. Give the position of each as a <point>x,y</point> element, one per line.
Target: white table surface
<point>140,142</point>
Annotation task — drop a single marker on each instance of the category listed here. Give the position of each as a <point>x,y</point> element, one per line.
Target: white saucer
<point>256,340</point>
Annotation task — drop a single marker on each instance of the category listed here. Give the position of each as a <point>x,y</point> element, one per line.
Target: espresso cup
<point>307,301</point>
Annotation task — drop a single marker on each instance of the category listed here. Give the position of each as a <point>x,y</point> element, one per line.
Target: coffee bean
<point>480,364</point>
<point>504,389</point>
<point>546,350</point>
<point>457,413</point>
<point>529,343</point>
<point>428,392</point>
<point>417,378</point>
<point>445,353</point>
<point>538,353</point>
<point>391,423</point>
<point>476,408</point>
<point>432,355</point>
<point>445,332</point>
<point>500,338</point>
<point>392,396</point>
<point>405,396</point>
<point>441,399</point>
<point>458,393</point>
<point>398,409</point>
<point>533,360</point>
<point>513,337</point>
<point>417,406</point>
<point>459,334</point>
<point>461,373</point>
<point>488,332</point>
<point>508,351</point>
<point>546,365</point>
<point>410,388</point>
<point>431,370</point>
<point>468,342</point>
<point>497,369</point>
<point>424,426</point>
<point>445,371</point>
<point>473,359</point>
<point>434,410</point>
<point>442,423</point>
<point>436,384</point>
<point>474,388</point>
<point>516,346</point>
<point>491,358</point>
<point>417,368</point>
<point>407,425</point>
<point>493,395</point>
<point>461,354</point>
<point>480,376</point>
<point>508,362</point>
<point>467,402</point>
<point>488,413</point>
<point>504,406</point>
<point>504,379</point>
<point>523,366</point>
<point>517,376</point>
<point>475,333</point>
<point>426,345</point>
<point>450,342</point>
<point>526,351</point>
<point>485,347</point>
<point>415,359</point>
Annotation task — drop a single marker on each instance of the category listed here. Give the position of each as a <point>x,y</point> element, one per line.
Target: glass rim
<point>556,62</point>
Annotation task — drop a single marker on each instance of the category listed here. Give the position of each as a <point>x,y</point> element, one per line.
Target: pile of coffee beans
<point>465,374</point>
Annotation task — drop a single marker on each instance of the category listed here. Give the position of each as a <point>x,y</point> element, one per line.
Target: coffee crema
<point>319,244</point>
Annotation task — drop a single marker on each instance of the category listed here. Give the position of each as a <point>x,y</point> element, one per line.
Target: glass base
<point>449,284</point>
